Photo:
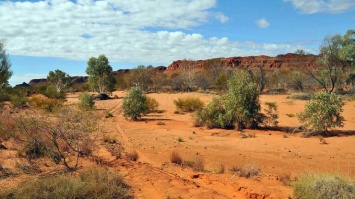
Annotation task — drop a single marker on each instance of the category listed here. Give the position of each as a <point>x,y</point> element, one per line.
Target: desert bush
<point>176,158</point>
<point>180,139</point>
<point>18,100</point>
<point>199,164</point>
<point>316,185</point>
<point>108,115</point>
<point>322,112</point>
<point>86,101</point>
<point>33,150</point>
<point>45,103</point>
<point>238,108</point>
<point>299,96</point>
<point>211,116</point>
<point>110,139</point>
<point>218,168</point>
<point>189,104</point>
<point>151,104</point>
<point>290,115</point>
<point>134,104</point>
<point>65,136</point>
<point>51,92</point>
<point>271,114</point>
<point>160,123</point>
<point>246,170</point>
<point>90,184</point>
<point>133,155</point>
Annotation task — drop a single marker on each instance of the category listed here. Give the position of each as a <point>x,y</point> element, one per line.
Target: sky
<point>45,35</point>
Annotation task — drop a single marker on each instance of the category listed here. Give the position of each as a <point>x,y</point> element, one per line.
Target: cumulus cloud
<point>221,17</point>
<point>323,6</point>
<point>123,30</point>
<point>262,23</point>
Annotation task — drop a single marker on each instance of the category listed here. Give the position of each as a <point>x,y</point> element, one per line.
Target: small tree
<point>5,72</point>
<point>323,112</point>
<point>330,66</point>
<point>99,71</point>
<point>59,79</point>
<point>243,100</point>
<point>134,104</point>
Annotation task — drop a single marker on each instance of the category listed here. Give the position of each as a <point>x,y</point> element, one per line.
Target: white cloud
<point>262,23</point>
<point>123,30</point>
<point>323,6</point>
<point>221,17</point>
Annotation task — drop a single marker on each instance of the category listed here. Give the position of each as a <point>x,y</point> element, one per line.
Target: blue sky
<point>44,35</point>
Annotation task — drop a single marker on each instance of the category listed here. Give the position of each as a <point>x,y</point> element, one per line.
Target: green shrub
<point>189,104</point>
<point>300,96</point>
<point>108,115</point>
<point>180,139</point>
<point>151,104</point>
<point>51,92</point>
<point>211,116</point>
<point>134,104</point>
<point>94,183</point>
<point>240,107</point>
<point>86,101</point>
<point>322,112</point>
<point>315,185</point>
<point>18,100</point>
<point>45,103</point>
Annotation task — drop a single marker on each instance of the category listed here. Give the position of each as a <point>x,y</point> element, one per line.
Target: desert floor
<point>279,155</point>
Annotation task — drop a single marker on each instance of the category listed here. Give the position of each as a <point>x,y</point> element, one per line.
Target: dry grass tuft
<point>246,170</point>
<point>94,183</point>
<point>176,158</point>
<point>218,168</point>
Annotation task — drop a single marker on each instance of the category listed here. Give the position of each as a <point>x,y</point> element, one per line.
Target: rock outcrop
<point>286,61</point>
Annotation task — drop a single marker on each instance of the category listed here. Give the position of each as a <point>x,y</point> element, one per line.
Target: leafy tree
<point>259,78</point>
<point>99,71</point>
<point>141,76</point>
<point>59,79</point>
<point>347,52</point>
<point>5,72</point>
<point>297,81</point>
<point>323,112</point>
<point>134,104</point>
<point>330,66</point>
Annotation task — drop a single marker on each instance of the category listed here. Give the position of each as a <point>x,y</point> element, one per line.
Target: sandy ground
<point>276,153</point>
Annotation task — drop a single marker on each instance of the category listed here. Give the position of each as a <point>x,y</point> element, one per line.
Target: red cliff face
<point>286,61</point>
